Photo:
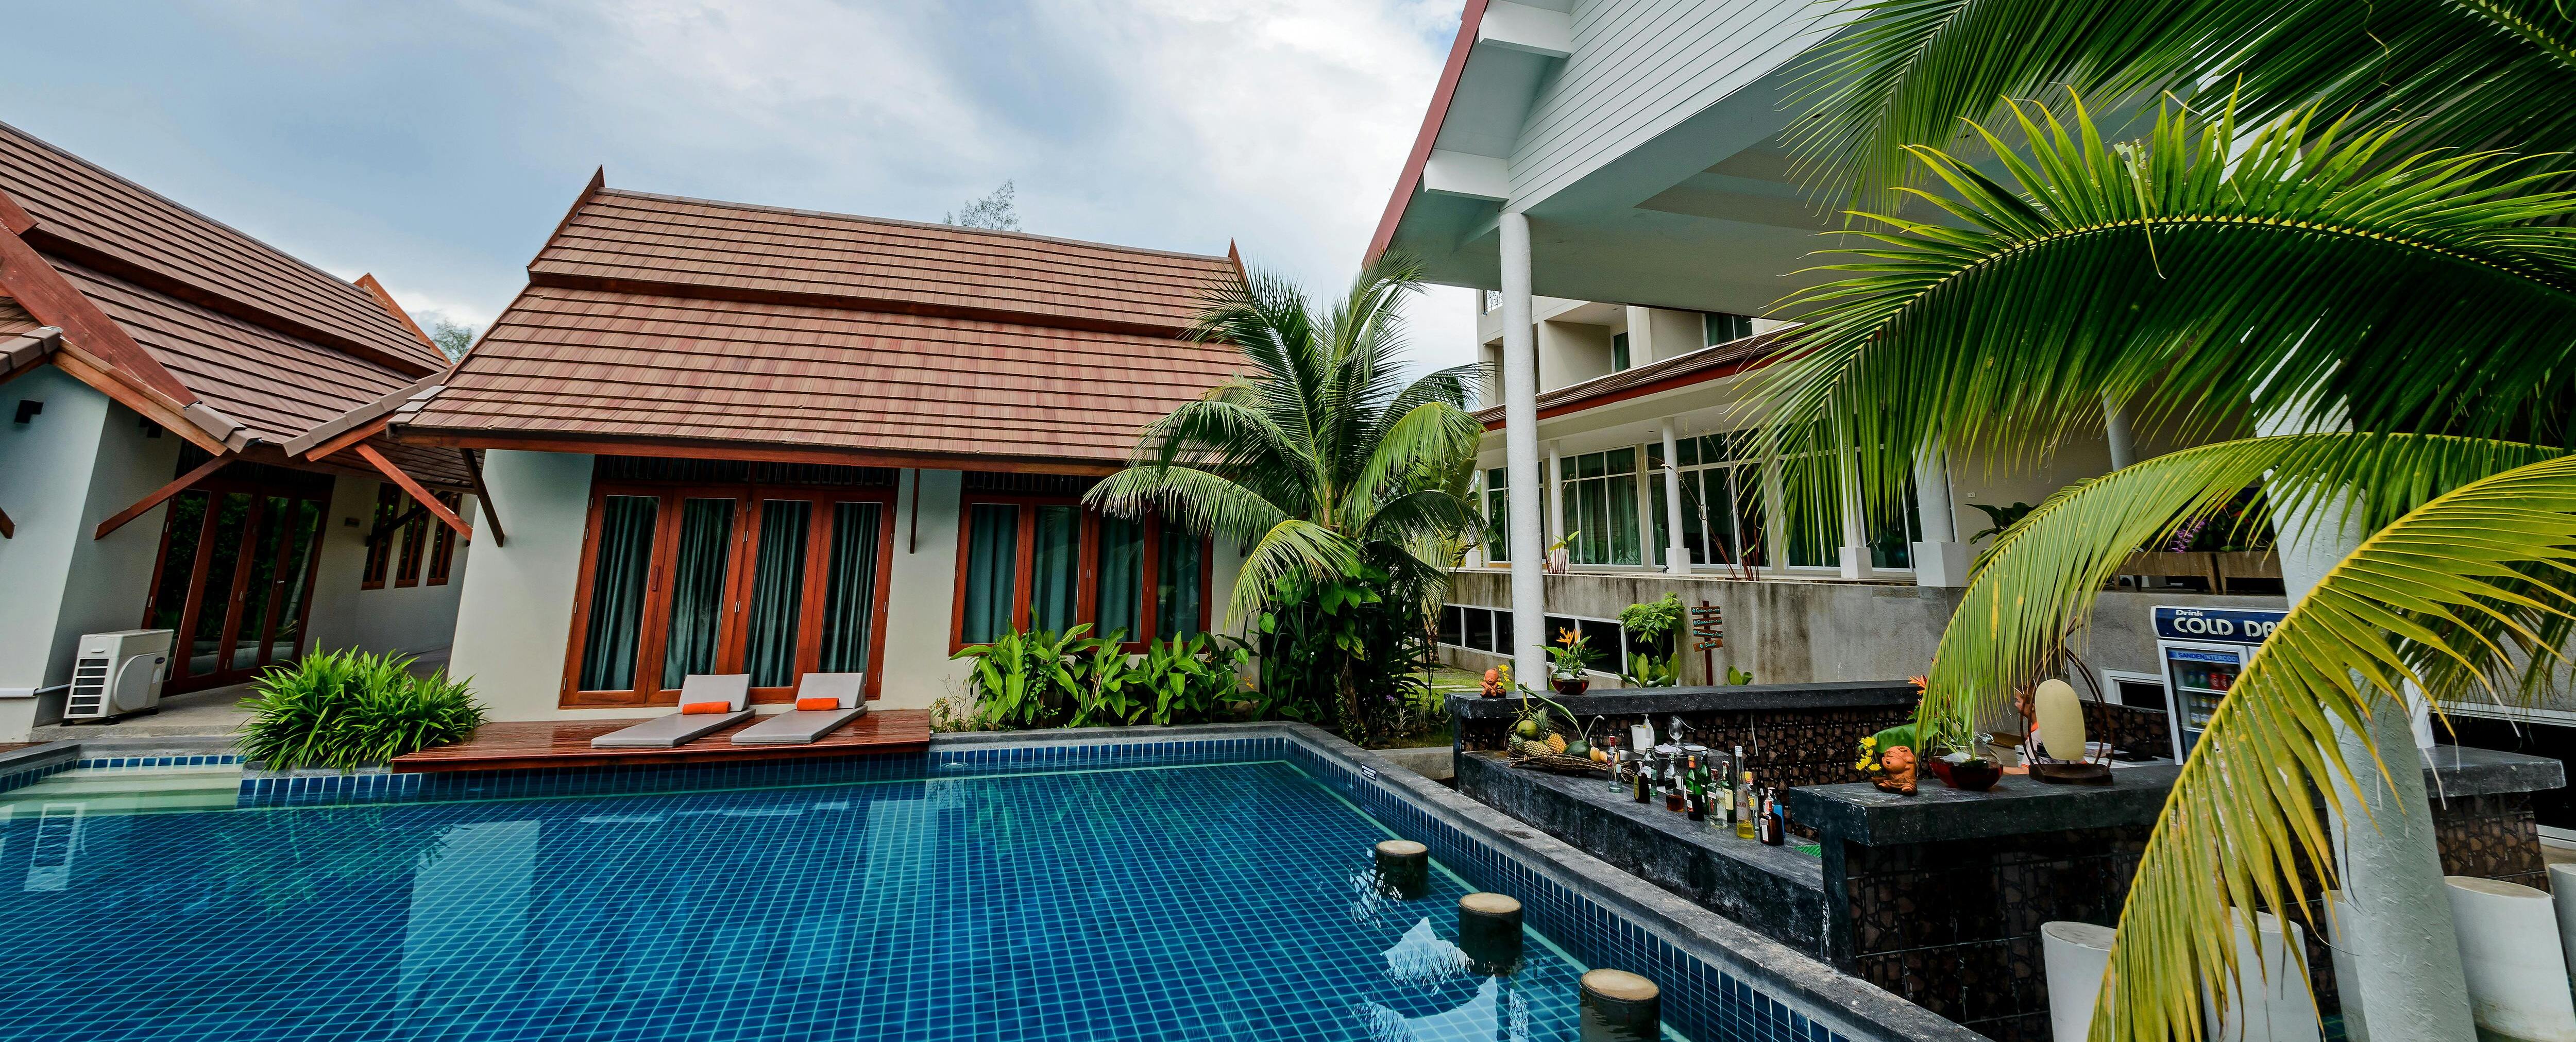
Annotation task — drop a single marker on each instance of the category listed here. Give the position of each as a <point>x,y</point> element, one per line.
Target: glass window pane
<point>1498,525</point>
<point>250,635</point>
<point>850,598</point>
<point>1587,465</point>
<point>992,570</point>
<point>777,593</point>
<point>1619,517</point>
<point>697,589</point>
<point>1179,572</point>
<point>186,524</point>
<point>1602,638</point>
<point>380,553</point>
<point>415,542</point>
<point>1499,477</point>
<point>625,542</point>
<point>1122,577</point>
<point>1480,629</point>
<point>1752,525</point>
<point>1659,510</point>
<point>1503,632</point>
<point>1619,461</point>
<point>1055,569</point>
<point>306,532</point>
<point>232,519</point>
<point>1453,624</point>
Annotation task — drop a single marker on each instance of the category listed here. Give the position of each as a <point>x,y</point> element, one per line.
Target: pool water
<point>1224,900</point>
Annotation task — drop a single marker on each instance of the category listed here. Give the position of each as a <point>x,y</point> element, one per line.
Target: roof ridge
<point>180,206</point>
<point>900,222</point>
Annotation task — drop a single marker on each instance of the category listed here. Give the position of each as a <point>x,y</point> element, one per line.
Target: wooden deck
<point>522,746</point>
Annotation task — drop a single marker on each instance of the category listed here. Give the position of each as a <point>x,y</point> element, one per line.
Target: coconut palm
<point>1337,471</point>
<point>2425,304</point>
<point>2461,74</point>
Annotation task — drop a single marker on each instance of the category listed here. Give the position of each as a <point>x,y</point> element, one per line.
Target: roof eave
<point>1432,118</point>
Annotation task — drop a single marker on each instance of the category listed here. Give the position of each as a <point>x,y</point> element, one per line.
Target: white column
<point>1940,559</point>
<point>2115,430</point>
<point>1555,493</point>
<point>2405,948</point>
<point>1520,448</point>
<point>1676,555</point>
<point>1855,564</point>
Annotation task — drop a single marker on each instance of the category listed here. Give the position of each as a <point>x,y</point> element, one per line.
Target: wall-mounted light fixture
<point>27,410</point>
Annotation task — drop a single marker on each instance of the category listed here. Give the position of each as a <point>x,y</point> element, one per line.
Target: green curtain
<point>992,570</point>
<point>206,652</point>
<point>697,589</point>
<point>1178,575</point>
<point>1055,567</point>
<point>617,593</point>
<point>850,598</point>
<point>1122,576</point>
<point>777,592</point>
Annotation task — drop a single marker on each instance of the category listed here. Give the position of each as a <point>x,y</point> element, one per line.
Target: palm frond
<point>2035,584</point>
<point>1900,73</point>
<point>1290,549</point>
<point>1418,448</point>
<point>2242,821</point>
<point>1192,498</point>
<point>2311,270</point>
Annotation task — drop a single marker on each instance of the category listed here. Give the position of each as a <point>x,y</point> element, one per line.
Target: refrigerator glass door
<point>2198,677</point>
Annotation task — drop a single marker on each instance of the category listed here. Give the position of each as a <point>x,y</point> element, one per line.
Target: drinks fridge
<point>2202,650</point>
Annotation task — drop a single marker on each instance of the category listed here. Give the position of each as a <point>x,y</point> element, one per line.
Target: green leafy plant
<point>1571,654</point>
<point>1738,676</point>
<point>1031,679</point>
<point>347,709</point>
<point>2002,517</point>
<point>1656,624</point>
<point>1340,654</point>
<point>1191,679</point>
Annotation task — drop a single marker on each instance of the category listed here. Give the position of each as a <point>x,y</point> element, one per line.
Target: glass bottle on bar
<point>1743,808</point>
<point>1695,798</point>
<point>1722,816</point>
<point>1610,752</point>
<point>1774,827</point>
<point>1641,775</point>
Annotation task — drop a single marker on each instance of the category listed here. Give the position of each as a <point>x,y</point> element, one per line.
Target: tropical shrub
<point>1342,655</point>
<point>1033,679</point>
<point>348,709</point>
<point>1657,625</point>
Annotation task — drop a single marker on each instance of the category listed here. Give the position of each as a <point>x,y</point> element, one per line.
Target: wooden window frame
<point>442,549</point>
<point>380,553</point>
<point>1086,600</point>
<point>741,560</point>
<point>413,555</point>
<point>181,679</point>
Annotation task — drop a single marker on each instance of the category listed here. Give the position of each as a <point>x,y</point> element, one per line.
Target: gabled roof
<point>223,337</point>
<point>1715,362</point>
<point>656,325</point>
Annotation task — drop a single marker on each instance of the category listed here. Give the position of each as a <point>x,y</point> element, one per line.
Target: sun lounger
<point>679,728</point>
<point>803,726</point>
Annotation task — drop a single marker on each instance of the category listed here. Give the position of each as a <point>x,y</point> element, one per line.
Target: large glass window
<point>380,537</point>
<point>850,601</point>
<point>621,560</point>
<point>1718,328</point>
<point>415,545</point>
<point>1600,493</point>
<point>992,571</point>
<point>1498,515</point>
<point>774,582</point>
<point>1722,516</point>
<point>442,550</point>
<point>1052,566</point>
<point>1619,352</point>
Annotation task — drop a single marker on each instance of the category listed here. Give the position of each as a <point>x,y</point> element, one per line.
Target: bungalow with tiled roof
<point>728,438</point>
<point>167,461</point>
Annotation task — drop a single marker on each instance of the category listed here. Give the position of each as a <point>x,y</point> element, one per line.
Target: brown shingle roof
<point>14,319</point>
<point>712,328</point>
<point>1708,363</point>
<point>86,214</point>
<point>621,239</point>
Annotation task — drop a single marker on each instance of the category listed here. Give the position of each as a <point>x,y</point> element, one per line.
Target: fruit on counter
<point>1528,729</point>
<point>1598,756</point>
<point>1556,742</point>
<point>1578,747</point>
<point>1536,749</point>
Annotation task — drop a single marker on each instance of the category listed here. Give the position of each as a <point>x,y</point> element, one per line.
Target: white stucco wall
<point>410,619</point>
<point>921,601</point>
<point>72,466</point>
<point>514,613</point>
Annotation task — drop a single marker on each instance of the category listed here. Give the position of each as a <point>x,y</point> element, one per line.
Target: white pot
<point>2509,949</point>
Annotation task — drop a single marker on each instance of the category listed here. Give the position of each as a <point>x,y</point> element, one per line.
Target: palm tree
<point>1338,472</point>
<point>2420,306</point>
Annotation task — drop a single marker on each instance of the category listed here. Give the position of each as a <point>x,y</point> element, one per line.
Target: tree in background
<point>996,212</point>
<point>1346,481</point>
<point>451,338</point>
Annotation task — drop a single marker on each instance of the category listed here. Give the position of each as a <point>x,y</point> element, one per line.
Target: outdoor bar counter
<point>1939,896</point>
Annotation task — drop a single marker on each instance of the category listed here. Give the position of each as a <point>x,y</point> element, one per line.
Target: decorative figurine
<point>1896,772</point>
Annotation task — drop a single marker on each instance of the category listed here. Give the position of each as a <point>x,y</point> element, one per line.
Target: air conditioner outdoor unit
<point>118,673</point>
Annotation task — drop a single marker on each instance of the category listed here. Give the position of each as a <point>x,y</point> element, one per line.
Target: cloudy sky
<point>436,144</point>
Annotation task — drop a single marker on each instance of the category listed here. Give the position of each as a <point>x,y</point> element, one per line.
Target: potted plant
<point>1650,625</point>
<point>1557,556</point>
<point>1568,659</point>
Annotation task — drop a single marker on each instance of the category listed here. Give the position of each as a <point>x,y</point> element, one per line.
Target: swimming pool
<point>1012,894</point>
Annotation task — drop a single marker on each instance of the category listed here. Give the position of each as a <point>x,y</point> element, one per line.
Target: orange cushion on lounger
<point>694,708</point>
<point>816,705</point>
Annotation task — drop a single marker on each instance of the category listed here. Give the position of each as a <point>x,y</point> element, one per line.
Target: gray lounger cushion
<point>797,726</point>
<point>806,726</point>
<point>676,729</point>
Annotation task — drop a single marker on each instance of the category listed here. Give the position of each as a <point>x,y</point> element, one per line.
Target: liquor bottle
<point>1744,806</point>
<point>1610,744</point>
<point>1642,777</point>
<point>1775,822</point>
<point>1723,814</point>
<point>1695,798</point>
